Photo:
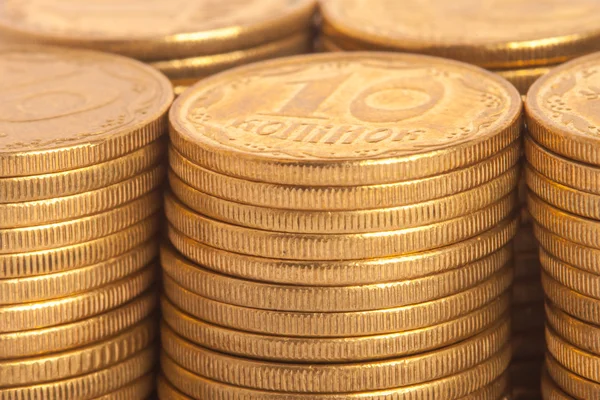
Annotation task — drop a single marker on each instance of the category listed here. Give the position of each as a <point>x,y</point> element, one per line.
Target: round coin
<point>576,279</point>
<point>582,307</point>
<point>140,389</point>
<point>334,246</point>
<point>571,383</point>
<point>578,333</point>
<point>66,109</point>
<point>550,390</point>
<point>345,119</point>
<point>523,78</point>
<point>558,113</point>
<point>340,324</point>
<point>572,358</point>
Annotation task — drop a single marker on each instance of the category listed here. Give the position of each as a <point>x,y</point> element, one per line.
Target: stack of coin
<point>186,40</point>
<point>562,174</point>
<point>80,178</point>
<point>340,228</point>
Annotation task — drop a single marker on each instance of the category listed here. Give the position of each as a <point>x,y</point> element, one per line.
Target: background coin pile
<point>327,241</point>
<point>80,179</point>
<point>186,40</point>
<point>563,172</point>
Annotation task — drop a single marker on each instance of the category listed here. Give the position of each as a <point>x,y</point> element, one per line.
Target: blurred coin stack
<point>80,179</point>
<point>563,173</point>
<point>186,40</point>
<point>340,228</point>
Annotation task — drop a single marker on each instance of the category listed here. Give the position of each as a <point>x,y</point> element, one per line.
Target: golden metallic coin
<point>30,316</point>
<point>580,334</point>
<point>523,78</point>
<point>514,34</point>
<point>179,88</point>
<point>78,255</point>
<point>573,174</point>
<point>156,29</point>
<point>550,390</point>
<point>334,246</point>
<point>297,349</point>
<point>346,273</point>
<point>65,109</point>
<point>203,66</point>
<point>166,391</point>
<point>578,305</point>
<point>65,337</point>
<point>270,296</point>
<point>585,258</point>
<point>68,283</point>
<point>570,276</point>
<point>569,226</point>
<point>558,108</point>
<point>139,389</point>
<point>527,265</point>
<point>90,386</point>
<point>452,387</point>
<point>527,291</point>
<point>67,233</point>
<point>571,383</point>
<point>345,119</point>
<point>355,221</point>
<point>67,183</point>
<point>336,378</point>
<point>340,324</point>
<point>80,361</point>
<point>338,198</point>
<point>576,360</point>
<point>42,212</point>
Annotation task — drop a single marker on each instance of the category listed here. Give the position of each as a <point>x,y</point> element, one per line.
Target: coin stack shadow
<point>283,291</point>
<point>562,173</point>
<point>80,201</point>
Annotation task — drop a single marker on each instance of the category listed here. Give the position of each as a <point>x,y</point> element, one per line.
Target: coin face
<point>360,106</point>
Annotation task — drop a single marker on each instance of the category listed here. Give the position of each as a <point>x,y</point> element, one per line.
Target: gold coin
<point>576,360</point>
<point>140,389</point>
<point>570,276</point>
<point>90,386</point>
<point>334,246</point>
<point>345,273</point>
<point>571,383</point>
<point>580,334</point>
<point>381,219</point>
<point>338,198</point>
<point>180,87</point>
<point>558,112</point>
<point>578,305</point>
<point>334,120</point>
<point>42,212</point>
<point>22,240</point>
<point>66,109</point>
<point>22,317</point>
<point>203,66</point>
<point>361,348</point>
<point>67,183</point>
<point>78,255</point>
<point>80,361</point>
<point>550,390</point>
<point>166,391</point>
<point>69,336</point>
<point>452,387</point>
<point>159,29</point>
<point>528,317</point>
<point>340,324</point>
<point>569,226</point>
<point>523,78</point>
<point>508,35</point>
<point>527,265</point>
<point>527,291</point>
<point>269,296</point>
<point>61,284</point>
<point>585,258</point>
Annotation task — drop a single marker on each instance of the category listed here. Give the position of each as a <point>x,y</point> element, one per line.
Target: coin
<point>338,324</point>
<point>326,298</point>
<point>90,386</point>
<point>550,391</point>
<point>65,337</point>
<point>340,273</point>
<point>572,358</point>
<point>355,221</point>
<point>65,109</point>
<point>523,78</point>
<point>582,307</point>
<point>343,349</point>
<point>335,198</point>
<point>453,387</point>
<point>334,119</point>
<point>42,212</point>
<point>579,333</point>
<point>574,384</point>
<point>38,315</point>
<point>515,34</point>
<point>156,29</point>
<point>570,276</point>
<point>67,233</point>
<point>334,246</point>
<point>141,388</point>
<point>78,255</point>
<point>558,112</point>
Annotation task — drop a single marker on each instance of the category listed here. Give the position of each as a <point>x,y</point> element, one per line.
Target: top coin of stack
<point>520,39</point>
<point>340,218</point>
<point>186,40</point>
<point>563,174</point>
<point>80,177</point>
